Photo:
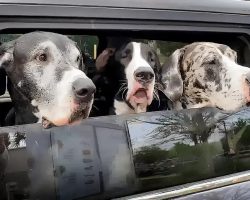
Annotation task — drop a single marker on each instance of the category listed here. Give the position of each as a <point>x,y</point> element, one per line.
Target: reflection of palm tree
<point>194,125</point>
<point>18,137</point>
<point>234,134</point>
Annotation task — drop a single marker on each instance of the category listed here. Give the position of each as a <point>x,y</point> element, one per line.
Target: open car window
<point>111,156</point>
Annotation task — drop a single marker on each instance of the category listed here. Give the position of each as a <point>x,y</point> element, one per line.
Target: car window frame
<point>86,19</point>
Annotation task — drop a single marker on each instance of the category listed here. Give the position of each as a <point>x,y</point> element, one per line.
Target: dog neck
<point>185,103</point>
<point>23,109</point>
<point>121,107</point>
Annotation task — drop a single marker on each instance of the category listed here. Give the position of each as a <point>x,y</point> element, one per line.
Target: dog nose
<point>144,74</point>
<point>83,89</point>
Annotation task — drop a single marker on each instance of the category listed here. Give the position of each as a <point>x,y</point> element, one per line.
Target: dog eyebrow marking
<point>43,46</point>
<point>137,55</point>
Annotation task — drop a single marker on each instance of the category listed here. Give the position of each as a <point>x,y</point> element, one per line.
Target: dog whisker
<point>157,97</point>
<point>125,89</point>
<point>121,88</point>
<point>159,89</point>
<point>95,107</point>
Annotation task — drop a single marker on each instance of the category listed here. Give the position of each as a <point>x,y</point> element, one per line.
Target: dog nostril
<point>151,76</point>
<point>82,92</point>
<point>83,88</point>
<point>248,78</point>
<point>144,75</point>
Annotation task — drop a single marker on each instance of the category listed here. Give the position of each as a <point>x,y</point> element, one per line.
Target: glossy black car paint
<point>94,161</point>
<point>99,17</point>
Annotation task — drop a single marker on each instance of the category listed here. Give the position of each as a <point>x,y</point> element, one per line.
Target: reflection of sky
<point>243,114</point>
<point>140,134</point>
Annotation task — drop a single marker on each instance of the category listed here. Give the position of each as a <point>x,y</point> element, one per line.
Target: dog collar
<point>119,96</point>
<point>129,105</point>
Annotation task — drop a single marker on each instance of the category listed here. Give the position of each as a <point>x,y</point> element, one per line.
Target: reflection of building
<point>155,168</point>
<point>88,159</point>
<point>16,176</point>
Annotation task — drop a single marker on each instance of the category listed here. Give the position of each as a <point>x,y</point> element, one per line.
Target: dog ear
<point>157,68</point>
<point>171,80</point>
<point>227,51</point>
<point>2,81</point>
<point>83,61</point>
<point>6,55</point>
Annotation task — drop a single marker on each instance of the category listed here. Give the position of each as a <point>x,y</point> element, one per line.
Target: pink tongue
<point>140,96</point>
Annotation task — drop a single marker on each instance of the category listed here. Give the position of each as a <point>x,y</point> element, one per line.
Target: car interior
<point>147,172</point>
<point>165,42</point>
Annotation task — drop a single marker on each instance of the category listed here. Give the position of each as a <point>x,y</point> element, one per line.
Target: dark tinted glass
<point>120,155</point>
<point>175,148</point>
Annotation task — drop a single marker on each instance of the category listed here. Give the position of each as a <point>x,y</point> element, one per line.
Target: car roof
<point>220,6</point>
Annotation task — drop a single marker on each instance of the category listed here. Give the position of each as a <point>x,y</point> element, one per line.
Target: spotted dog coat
<point>205,74</point>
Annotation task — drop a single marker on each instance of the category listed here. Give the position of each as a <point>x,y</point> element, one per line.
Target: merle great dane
<point>45,81</point>
<point>206,74</point>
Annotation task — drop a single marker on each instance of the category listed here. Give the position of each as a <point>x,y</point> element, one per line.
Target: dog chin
<point>79,112</point>
<point>140,99</point>
<point>139,106</point>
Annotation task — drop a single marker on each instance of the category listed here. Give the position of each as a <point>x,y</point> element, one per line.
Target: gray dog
<point>46,83</point>
<point>206,74</point>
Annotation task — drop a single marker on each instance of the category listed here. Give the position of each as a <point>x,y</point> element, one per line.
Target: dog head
<point>43,68</point>
<point>206,74</point>
<point>140,64</point>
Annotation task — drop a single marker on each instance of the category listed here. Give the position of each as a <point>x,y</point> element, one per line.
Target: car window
<point>121,155</point>
<point>183,147</point>
<point>111,156</point>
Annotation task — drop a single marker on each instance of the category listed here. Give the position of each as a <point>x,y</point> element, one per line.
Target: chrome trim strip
<point>192,188</point>
<point>3,100</point>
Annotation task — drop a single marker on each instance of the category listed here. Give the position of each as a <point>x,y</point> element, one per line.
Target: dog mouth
<point>140,96</point>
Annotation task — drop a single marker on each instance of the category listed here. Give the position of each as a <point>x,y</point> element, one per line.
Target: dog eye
<point>211,62</point>
<point>42,57</point>
<point>126,53</point>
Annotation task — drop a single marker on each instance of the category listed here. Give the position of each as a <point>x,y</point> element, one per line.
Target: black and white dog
<point>45,82</point>
<point>140,66</point>
<point>132,75</point>
<point>205,74</point>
